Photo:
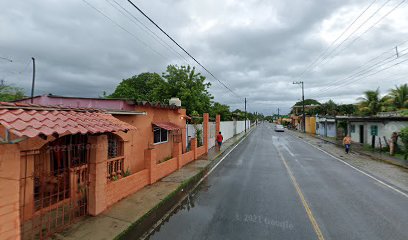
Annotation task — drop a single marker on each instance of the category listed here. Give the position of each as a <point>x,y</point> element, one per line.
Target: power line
<point>381,70</point>
<point>139,23</point>
<point>363,72</point>
<point>124,29</point>
<point>355,30</point>
<point>175,42</point>
<point>332,43</point>
<point>365,64</point>
<point>367,30</point>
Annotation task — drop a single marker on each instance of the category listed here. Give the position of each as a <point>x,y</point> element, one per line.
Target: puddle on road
<point>185,206</point>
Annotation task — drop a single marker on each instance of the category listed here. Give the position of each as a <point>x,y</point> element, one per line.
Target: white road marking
<point>287,149</point>
<point>359,170</point>
<point>222,159</point>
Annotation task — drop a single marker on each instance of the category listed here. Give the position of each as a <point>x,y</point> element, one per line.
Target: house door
<point>361,133</point>
<point>60,183</point>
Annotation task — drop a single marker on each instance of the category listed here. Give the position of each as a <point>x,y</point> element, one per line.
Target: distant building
<point>326,126</point>
<point>365,130</point>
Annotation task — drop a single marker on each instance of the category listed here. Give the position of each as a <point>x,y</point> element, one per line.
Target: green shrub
<point>199,137</point>
<point>404,138</point>
<point>127,173</point>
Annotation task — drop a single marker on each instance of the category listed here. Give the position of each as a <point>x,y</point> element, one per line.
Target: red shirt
<point>219,138</point>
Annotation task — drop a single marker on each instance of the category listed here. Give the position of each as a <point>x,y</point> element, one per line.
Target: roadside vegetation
<point>183,82</point>
<point>10,93</point>
<point>370,104</point>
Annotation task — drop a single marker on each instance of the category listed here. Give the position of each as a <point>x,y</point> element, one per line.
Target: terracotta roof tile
<point>32,120</point>
<point>167,125</point>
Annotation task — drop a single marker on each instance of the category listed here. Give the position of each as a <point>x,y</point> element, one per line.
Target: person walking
<point>219,140</point>
<point>347,143</point>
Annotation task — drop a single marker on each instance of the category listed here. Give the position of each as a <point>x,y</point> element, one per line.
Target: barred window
<point>115,146</point>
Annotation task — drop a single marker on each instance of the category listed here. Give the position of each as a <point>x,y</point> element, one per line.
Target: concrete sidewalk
<point>133,208</point>
<point>382,156</point>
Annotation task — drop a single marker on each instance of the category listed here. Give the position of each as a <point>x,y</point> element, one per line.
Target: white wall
<point>228,130</point>
<point>384,129</point>
<point>211,135</point>
<point>355,136</point>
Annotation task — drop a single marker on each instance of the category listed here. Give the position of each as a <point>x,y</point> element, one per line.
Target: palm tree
<point>398,97</point>
<point>371,103</point>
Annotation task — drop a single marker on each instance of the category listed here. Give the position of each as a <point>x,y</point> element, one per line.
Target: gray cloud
<point>256,47</point>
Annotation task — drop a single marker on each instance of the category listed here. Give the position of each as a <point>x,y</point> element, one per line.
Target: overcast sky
<point>256,47</point>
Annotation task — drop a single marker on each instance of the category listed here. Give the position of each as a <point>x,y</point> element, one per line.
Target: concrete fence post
<point>217,124</point>
<point>10,191</point>
<point>206,118</point>
<point>97,174</point>
<point>177,152</point>
<point>194,147</point>
<point>150,164</point>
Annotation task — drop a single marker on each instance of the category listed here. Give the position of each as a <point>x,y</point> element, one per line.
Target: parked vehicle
<point>279,128</point>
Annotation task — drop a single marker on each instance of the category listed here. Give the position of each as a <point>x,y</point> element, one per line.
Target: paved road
<point>275,186</point>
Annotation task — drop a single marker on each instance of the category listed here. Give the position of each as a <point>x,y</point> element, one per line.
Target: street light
<point>303,105</point>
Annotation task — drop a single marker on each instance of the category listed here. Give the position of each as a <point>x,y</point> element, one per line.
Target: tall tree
<point>346,109</point>
<point>10,93</point>
<point>188,85</point>
<point>371,103</point>
<point>327,108</point>
<point>223,110</point>
<point>143,87</point>
<point>399,96</point>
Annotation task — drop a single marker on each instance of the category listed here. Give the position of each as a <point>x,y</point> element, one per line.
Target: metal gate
<point>60,181</point>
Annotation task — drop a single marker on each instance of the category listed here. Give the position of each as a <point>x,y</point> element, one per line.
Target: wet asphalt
<point>250,195</point>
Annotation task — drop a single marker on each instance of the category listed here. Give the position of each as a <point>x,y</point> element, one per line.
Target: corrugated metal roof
<point>29,120</point>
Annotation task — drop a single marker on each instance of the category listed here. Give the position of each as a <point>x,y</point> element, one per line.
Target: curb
<point>146,225</point>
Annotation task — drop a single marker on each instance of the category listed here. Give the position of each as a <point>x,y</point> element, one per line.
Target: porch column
<point>150,163</point>
<point>27,183</point>
<point>194,147</point>
<point>97,174</point>
<point>10,191</point>
<point>217,124</point>
<point>177,151</point>
<point>348,128</point>
<point>205,130</point>
<point>183,138</point>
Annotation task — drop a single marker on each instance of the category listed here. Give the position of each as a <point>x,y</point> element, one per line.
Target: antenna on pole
<point>33,83</point>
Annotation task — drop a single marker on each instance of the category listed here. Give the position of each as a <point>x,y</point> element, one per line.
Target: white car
<point>279,128</point>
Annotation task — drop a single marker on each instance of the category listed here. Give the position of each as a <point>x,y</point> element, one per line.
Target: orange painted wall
<point>311,125</point>
<point>142,138</point>
<point>166,168</point>
<point>9,192</point>
<point>122,188</point>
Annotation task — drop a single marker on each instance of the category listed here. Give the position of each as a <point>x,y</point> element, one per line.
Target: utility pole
<point>303,105</point>
<point>33,83</point>
<point>245,116</point>
<point>278,117</point>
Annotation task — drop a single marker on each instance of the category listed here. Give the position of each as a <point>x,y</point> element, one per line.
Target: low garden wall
<point>119,189</point>
<point>166,168</point>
